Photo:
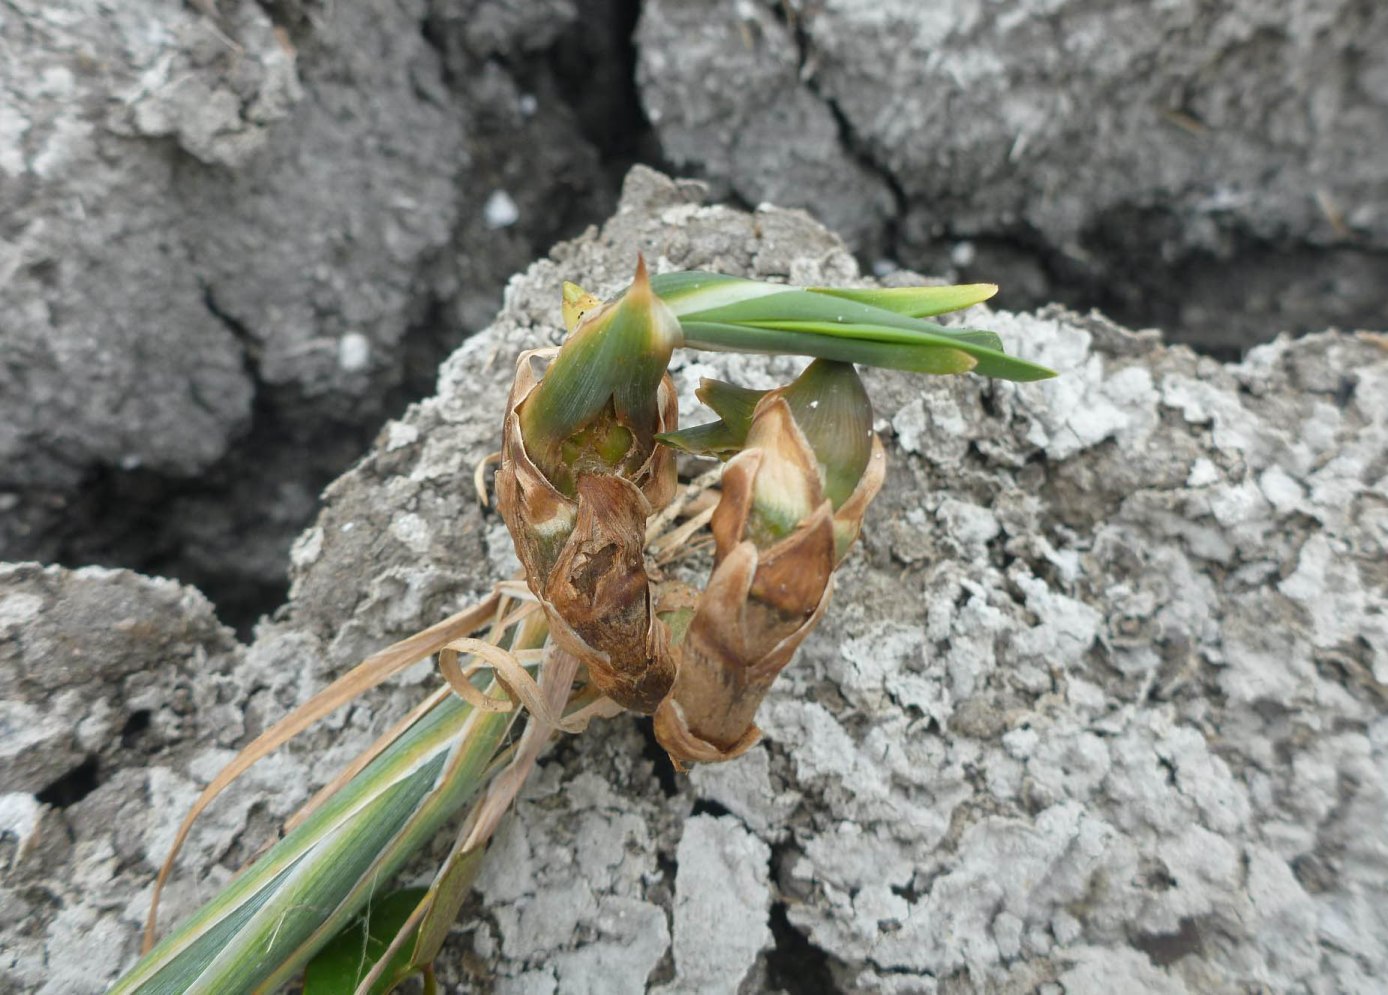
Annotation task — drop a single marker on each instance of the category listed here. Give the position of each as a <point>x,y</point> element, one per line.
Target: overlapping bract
<point>778,536</point>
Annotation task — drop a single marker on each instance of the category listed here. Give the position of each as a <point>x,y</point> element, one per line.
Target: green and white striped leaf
<point>261,930</point>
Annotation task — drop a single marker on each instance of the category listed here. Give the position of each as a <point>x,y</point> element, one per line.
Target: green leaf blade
<point>446,896</point>
<point>803,316</point>
<point>731,402</point>
<point>729,313</point>
<point>713,439</point>
<point>690,291</point>
<point>722,337</point>
<point>977,336</point>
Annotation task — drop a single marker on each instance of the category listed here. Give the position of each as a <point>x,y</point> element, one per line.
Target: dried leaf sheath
<point>599,594</point>
<point>778,539</point>
<point>583,555</point>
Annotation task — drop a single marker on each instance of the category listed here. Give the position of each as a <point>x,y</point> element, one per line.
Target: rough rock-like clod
<point>1210,168</point>
<point>230,232</point>
<point>1100,703</point>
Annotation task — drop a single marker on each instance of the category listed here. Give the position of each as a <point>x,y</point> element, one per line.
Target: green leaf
<point>347,959</point>
<point>831,318</point>
<point>714,439</point>
<point>978,337</point>
<point>616,357</point>
<point>734,406</point>
<point>728,313</point>
<point>266,924</point>
<point>698,290</point>
<point>731,402</point>
<point>915,302</point>
<point>830,404</point>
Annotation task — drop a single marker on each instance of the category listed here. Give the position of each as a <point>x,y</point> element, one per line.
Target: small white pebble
<point>1281,489</point>
<point>528,104</point>
<point>413,531</point>
<point>500,211</point>
<point>1020,743</point>
<point>307,548</point>
<point>963,254</point>
<point>353,352</point>
<point>1066,928</point>
<point>1203,473</point>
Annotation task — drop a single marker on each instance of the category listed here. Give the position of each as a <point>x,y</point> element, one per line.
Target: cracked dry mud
<point>1100,703</point>
<point>230,245</point>
<point>1211,169</point>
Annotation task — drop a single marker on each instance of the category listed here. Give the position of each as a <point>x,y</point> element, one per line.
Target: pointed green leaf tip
<point>915,302</point>
<point>874,327</point>
<point>714,439</point>
<point>734,404</point>
<point>605,378</point>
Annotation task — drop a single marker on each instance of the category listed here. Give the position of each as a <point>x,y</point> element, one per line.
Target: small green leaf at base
<point>349,957</point>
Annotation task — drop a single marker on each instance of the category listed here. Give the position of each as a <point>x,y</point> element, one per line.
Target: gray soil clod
<point>1212,169</point>
<point>230,244</point>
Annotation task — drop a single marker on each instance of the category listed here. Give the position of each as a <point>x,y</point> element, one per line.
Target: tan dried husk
<point>759,604</point>
<point>584,556</point>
